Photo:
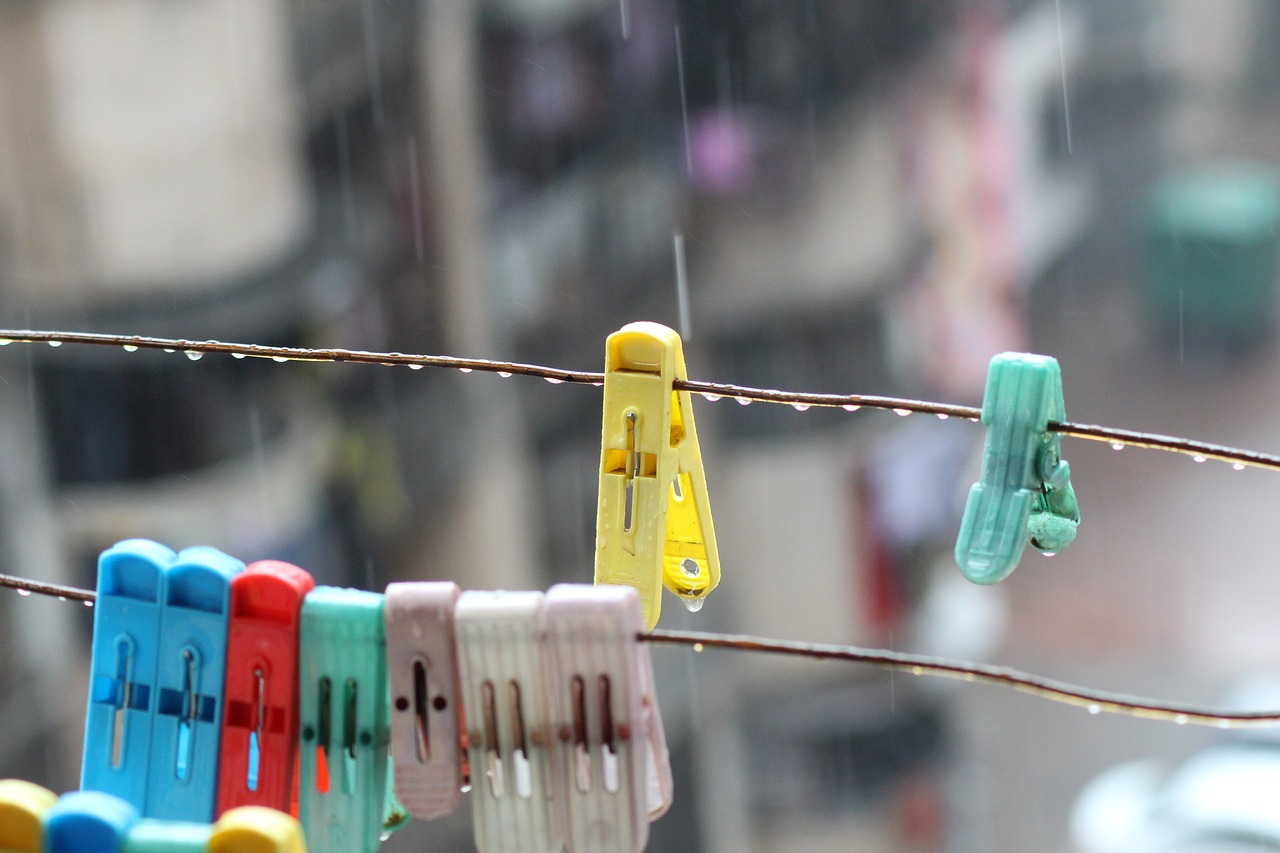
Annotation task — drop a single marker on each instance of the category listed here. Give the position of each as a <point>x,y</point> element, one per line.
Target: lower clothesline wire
<point>1118,438</point>
<point>1093,701</point>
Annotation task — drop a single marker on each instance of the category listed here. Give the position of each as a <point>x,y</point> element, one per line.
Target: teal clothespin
<point>1025,492</point>
<point>345,798</point>
<point>167,836</point>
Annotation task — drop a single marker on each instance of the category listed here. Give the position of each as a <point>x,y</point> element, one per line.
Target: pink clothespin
<point>426,702</point>
<point>609,747</point>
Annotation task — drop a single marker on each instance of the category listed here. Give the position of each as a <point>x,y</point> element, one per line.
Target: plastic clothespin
<point>344,795</point>
<point>191,669</point>
<point>260,719</point>
<point>422,668</point>
<point>1025,492</point>
<point>150,835</point>
<point>502,669</point>
<point>126,635</point>
<point>653,525</point>
<point>610,748</point>
<point>256,829</point>
<point>88,822</point>
<point>22,809</point>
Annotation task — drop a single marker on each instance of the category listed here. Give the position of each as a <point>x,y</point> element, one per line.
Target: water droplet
<point>800,407</point>
<point>974,420</point>
<point>88,603</point>
<point>743,401</point>
<point>4,342</point>
<point>62,598</point>
<point>917,670</point>
<point>1197,458</point>
<point>710,398</point>
<point>1094,708</point>
<point>1050,553</point>
<point>279,358</point>
<point>1115,445</point>
<point>598,384</point>
<point>1180,719</point>
<point>237,355</point>
<point>504,374</point>
<point>693,605</point>
<point>415,367</point>
<point>55,344</point>
<point>383,836</point>
<point>849,407</point>
<point>942,416</point>
<point>698,647</point>
<point>465,369</point>
<point>169,350</point>
<point>1224,724</point>
<point>1239,466</point>
<point>902,413</point>
<point>553,380</point>
<point>130,348</point>
<point>194,355</point>
<point>24,592</point>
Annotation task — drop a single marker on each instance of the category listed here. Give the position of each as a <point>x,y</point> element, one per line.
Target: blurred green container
<point>1213,255</point>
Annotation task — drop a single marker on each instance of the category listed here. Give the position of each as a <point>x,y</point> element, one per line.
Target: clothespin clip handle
<point>23,806</point>
<point>88,822</point>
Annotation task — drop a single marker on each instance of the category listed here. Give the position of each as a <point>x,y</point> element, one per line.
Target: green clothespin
<point>345,800</point>
<point>167,836</point>
<point>1025,492</point>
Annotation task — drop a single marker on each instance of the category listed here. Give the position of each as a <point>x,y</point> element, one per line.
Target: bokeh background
<point>863,196</point>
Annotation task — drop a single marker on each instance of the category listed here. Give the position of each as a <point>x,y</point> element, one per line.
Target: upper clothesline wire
<point>1238,458</point>
<point>1093,701</point>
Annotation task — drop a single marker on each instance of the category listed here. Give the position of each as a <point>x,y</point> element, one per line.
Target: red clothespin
<point>260,724</point>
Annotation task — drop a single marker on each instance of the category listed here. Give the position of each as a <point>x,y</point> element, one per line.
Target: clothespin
<point>88,822</point>
<point>22,809</point>
<point>1025,493</point>
<point>255,829</point>
<point>422,669</point>
<point>502,670</point>
<point>609,746</point>
<point>344,796</point>
<point>260,720</point>
<point>653,525</point>
<point>122,687</point>
<point>191,670</point>
<point>151,835</point>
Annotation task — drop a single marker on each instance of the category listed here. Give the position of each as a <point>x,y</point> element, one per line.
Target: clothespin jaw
<point>344,799</point>
<point>191,672</point>
<point>150,835</point>
<point>653,525</point>
<point>1025,492</point>
<point>88,822</point>
<point>260,722</point>
<point>426,700</point>
<point>501,666</point>
<point>22,809</point>
<point>609,745</point>
<point>255,829</point>
<point>122,687</point>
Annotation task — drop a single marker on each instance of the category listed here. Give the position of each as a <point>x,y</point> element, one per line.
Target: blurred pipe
<point>486,529</point>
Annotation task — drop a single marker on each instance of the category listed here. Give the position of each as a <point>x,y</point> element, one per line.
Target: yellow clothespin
<point>653,525</point>
<point>22,806</point>
<point>256,829</point>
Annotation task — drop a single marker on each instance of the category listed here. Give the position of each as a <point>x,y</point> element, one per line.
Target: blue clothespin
<point>1025,493</point>
<point>126,635</point>
<point>191,666</point>
<point>345,802</point>
<point>88,822</point>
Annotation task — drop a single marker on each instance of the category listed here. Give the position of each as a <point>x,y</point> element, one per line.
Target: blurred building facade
<point>860,196</point>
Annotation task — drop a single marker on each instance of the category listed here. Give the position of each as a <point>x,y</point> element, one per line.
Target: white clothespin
<point>426,701</point>
<point>610,750</point>
<point>502,667</point>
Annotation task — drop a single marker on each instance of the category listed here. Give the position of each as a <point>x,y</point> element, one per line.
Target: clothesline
<point>1092,701</point>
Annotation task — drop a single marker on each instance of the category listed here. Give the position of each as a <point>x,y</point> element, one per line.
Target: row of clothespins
<point>215,685</point>
<point>35,820</point>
